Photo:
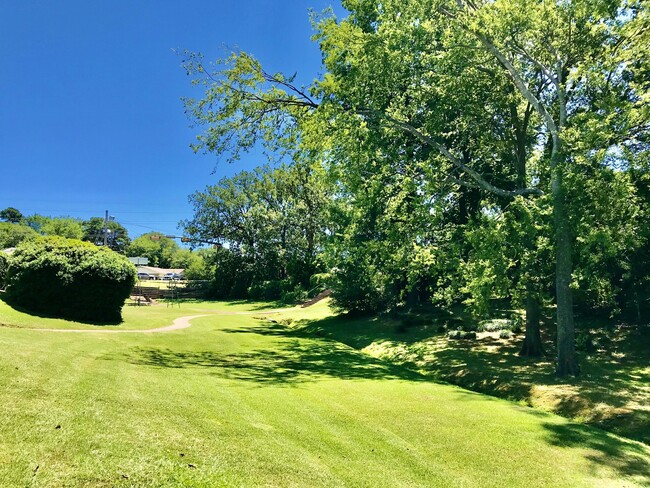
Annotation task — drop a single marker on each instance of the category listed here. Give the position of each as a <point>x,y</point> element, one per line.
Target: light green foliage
<point>510,255</point>
<point>160,250</point>
<point>68,227</point>
<point>13,234</point>
<point>63,227</point>
<point>244,106</point>
<point>609,236</point>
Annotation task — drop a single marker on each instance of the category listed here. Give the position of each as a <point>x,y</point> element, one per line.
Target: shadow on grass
<point>256,305</point>
<point>43,315</point>
<point>611,392</point>
<point>295,359</point>
<point>625,458</point>
<point>290,362</point>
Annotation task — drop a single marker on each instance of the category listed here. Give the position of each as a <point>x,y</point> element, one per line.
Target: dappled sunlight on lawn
<point>291,361</point>
<point>613,391</point>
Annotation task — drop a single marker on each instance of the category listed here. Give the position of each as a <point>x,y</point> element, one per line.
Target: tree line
<point>161,251</point>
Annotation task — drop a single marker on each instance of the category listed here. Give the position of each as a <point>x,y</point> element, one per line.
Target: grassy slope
<point>233,401</point>
<point>613,391</point>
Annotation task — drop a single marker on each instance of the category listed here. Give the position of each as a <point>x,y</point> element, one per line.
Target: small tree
<point>11,214</point>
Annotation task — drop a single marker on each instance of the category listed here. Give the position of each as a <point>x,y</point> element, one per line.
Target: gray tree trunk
<point>567,362</point>
<point>532,346</point>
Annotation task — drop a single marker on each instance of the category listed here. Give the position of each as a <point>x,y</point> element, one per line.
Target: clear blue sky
<point>90,111</point>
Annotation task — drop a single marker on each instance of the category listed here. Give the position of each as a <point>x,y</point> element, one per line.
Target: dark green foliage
<point>266,290</point>
<point>273,222</point>
<point>11,214</point>
<point>70,279</point>
<point>4,258</point>
<point>282,290</point>
<point>117,237</point>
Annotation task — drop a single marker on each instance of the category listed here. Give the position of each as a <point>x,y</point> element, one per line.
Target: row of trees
<point>15,227</point>
<point>473,150</point>
<point>160,250</point>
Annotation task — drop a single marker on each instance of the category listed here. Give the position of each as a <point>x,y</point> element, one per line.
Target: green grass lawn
<point>238,401</point>
<point>143,317</point>
<point>613,391</point>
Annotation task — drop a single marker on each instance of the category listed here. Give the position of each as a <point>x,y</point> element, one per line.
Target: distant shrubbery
<point>69,278</point>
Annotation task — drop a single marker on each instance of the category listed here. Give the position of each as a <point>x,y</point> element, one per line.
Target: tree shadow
<point>255,305</point>
<point>610,392</point>
<point>627,459</point>
<point>44,315</point>
<point>291,362</point>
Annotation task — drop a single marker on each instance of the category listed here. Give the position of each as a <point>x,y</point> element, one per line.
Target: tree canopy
<point>467,146</point>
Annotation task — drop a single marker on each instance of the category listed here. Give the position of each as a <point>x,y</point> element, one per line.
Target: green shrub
<point>295,295</point>
<point>13,234</point>
<point>70,279</point>
<point>4,263</point>
<point>461,334</point>
<point>505,334</point>
<point>266,290</point>
<point>495,325</point>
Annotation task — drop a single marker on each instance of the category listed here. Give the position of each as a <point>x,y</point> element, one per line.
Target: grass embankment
<point>612,392</point>
<point>234,401</point>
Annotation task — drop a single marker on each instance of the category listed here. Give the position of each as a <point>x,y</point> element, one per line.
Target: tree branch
<point>474,175</point>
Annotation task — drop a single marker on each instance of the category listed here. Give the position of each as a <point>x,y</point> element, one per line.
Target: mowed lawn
<point>238,401</point>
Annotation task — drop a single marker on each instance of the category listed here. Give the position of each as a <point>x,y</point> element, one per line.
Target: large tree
<point>507,98</point>
<point>96,230</point>
<point>273,218</point>
<point>574,64</point>
<point>159,249</point>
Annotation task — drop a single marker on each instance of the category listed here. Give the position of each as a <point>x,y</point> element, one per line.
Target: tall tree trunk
<point>532,346</point>
<point>567,362</point>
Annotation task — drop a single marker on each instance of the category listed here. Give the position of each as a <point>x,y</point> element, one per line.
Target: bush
<point>4,263</point>
<point>295,295</point>
<point>505,334</point>
<point>13,234</point>
<point>266,290</point>
<point>70,279</point>
<point>495,325</point>
<point>461,334</point>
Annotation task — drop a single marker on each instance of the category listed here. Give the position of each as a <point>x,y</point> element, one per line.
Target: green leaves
<point>69,278</point>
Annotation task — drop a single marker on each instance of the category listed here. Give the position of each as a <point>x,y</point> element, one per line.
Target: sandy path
<point>177,324</point>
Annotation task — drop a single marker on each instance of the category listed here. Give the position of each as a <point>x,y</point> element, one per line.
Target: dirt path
<point>178,324</point>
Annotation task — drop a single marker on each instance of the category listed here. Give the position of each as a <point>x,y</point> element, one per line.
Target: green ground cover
<point>134,317</point>
<point>612,392</point>
<point>239,401</point>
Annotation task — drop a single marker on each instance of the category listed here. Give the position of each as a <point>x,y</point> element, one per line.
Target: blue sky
<point>91,117</point>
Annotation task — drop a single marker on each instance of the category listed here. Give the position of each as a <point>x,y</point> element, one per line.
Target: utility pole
<point>106,229</point>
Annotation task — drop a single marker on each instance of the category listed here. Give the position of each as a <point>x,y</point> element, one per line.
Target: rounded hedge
<point>70,279</point>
